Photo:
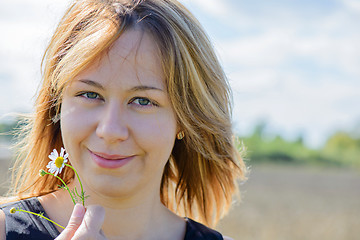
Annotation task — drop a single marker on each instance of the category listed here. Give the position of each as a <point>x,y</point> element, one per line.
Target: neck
<point>131,218</point>
<point>136,222</point>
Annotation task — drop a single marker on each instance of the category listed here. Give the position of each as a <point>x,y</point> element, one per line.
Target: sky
<point>292,64</point>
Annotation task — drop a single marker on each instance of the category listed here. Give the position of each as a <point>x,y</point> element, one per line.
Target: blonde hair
<point>200,178</point>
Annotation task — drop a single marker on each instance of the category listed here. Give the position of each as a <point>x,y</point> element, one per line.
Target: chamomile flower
<point>57,162</point>
<point>42,173</point>
<point>12,210</point>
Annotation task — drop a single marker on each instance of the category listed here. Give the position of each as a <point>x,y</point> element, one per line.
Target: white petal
<point>49,165</point>
<point>52,168</point>
<point>66,155</point>
<point>52,157</point>
<point>62,152</point>
<point>56,153</point>
<point>53,154</point>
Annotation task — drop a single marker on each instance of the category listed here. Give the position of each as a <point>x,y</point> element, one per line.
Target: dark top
<point>27,226</point>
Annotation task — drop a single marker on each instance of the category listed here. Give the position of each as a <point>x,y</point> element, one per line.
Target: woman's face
<point>117,123</point>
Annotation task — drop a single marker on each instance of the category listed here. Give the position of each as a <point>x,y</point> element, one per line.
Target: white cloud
<point>302,76</point>
<point>314,96</point>
<point>291,105</point>
<point>275,46</point>
<point>215,8</point>
<point>353,5</point>
<point>26,27</point>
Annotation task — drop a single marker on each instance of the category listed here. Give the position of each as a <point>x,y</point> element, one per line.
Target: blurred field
<point>288,203</point>
<point>293,202</point>
<point>5,164</point>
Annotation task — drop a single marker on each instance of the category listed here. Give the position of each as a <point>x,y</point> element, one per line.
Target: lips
<point>110,161</point>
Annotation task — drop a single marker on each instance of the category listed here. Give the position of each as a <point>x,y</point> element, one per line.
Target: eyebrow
<point>133,89</point>
<point>144,88</point>
<point>92,83</point>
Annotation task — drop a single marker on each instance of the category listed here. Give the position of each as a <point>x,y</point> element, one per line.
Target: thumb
<point>90,227</point>
<point>93,220</point>
<point>74,222</point>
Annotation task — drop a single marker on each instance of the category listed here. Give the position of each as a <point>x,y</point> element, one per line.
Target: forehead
<point>137,46</point>
<point>133,54</point>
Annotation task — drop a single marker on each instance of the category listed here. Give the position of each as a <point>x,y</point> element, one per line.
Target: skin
<point>110,117</point>
<point>119,105</point>
<point>2,225</point>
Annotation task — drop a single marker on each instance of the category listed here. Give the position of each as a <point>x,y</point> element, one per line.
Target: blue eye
<point>90,95</point>
<point>143,102</point>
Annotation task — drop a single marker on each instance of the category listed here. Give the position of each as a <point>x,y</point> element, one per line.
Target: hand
<point>84,224</point>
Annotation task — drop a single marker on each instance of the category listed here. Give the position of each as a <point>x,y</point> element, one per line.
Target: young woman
<point>135,94</point>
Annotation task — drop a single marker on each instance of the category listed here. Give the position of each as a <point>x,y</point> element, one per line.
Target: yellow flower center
<point>59,162</point>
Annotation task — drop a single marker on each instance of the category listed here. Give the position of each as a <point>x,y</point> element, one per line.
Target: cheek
<point>75,123</point>
<point>156,132</point>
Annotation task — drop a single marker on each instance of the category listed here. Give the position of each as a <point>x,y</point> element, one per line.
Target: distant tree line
<point>341,149</point>
<point>7,130</point>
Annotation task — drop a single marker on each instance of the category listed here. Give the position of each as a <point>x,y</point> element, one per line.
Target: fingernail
<point>78,210</point>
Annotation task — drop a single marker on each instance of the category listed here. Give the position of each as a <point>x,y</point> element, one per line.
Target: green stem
<point>40,215</point>
<point>82,189</point>
<point>67,188</point>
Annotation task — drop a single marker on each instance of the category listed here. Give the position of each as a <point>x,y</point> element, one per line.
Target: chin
<point>107,186</point>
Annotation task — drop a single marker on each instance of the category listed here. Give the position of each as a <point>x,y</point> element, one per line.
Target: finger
<point>92,222</point>
<point>74,223</point>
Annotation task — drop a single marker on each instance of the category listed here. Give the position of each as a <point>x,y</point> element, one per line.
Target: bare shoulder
<point>227,238</point>
<point>2,225</point>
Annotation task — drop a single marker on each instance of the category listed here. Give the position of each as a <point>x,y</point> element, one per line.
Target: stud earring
<point>180,135</point>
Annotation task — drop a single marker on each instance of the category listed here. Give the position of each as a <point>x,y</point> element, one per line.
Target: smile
<point>104,160</point>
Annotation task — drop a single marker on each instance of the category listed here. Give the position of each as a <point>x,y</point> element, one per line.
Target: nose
<point>112,126</point>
